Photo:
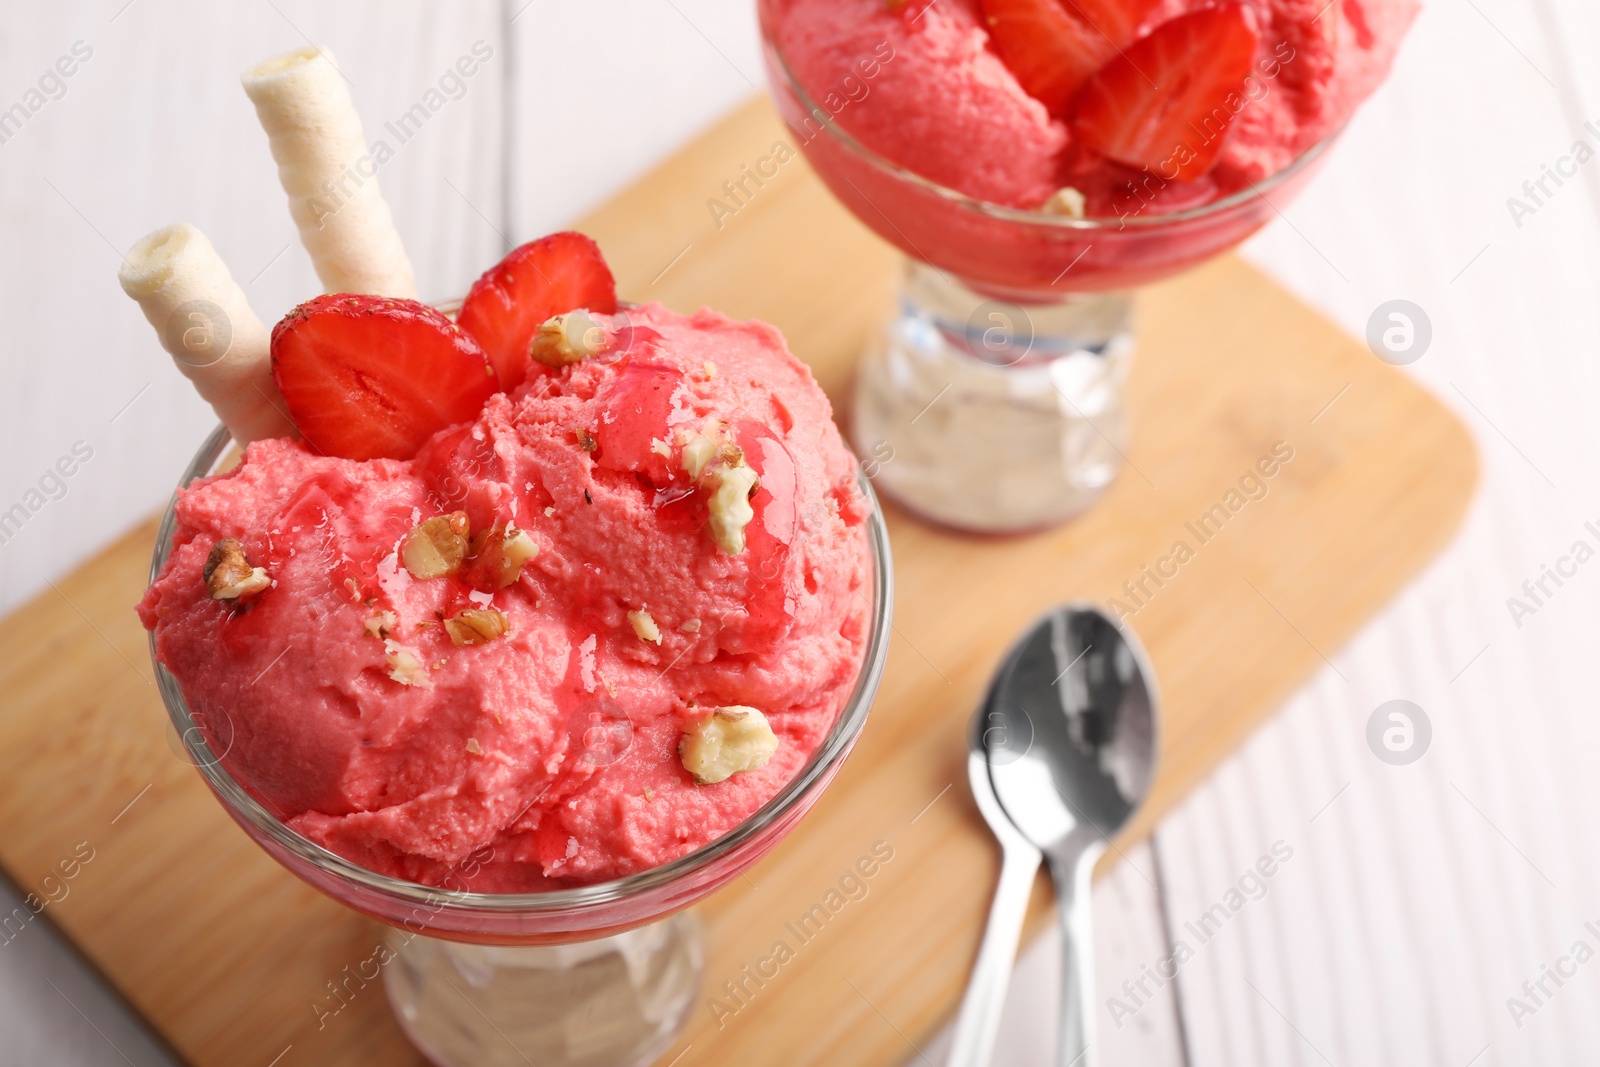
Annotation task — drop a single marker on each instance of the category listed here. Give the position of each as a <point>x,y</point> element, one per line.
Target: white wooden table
<point>1418,898</point>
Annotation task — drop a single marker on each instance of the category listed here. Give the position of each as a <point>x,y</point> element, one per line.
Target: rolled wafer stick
<point>205,323</point>
<point>326,168</point>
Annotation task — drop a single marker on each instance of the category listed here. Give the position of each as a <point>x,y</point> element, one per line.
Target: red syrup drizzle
<point>633,417</point>
<point>769,537</point>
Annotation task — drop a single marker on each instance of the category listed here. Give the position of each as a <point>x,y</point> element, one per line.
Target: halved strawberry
<point>371,376</point>
<point>1052,46</point>
<point>542,278</point>
<point>1164,103</point>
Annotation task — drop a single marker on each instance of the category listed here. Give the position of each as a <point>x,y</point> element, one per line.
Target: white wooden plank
<point>1130,947</point>
<point>608,88</point>
<point>55,1009</point>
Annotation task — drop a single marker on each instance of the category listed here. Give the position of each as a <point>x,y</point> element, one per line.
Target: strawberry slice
<point>1053,46</point>
<point>373,376</point>
<point>550,276</point>
<point>1163,104</point>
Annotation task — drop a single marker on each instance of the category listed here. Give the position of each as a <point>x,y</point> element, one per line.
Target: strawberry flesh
<point>1166,102</point>
<point>370,376</point>
<point>1053,46</point>
<point>550,276</point>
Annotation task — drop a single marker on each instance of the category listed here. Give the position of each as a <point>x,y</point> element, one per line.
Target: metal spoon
<point>979,1020</point>
<point>1070,737</point>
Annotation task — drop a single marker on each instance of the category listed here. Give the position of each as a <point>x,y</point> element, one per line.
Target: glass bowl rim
<point>824,761</point>
<point>828,124</point>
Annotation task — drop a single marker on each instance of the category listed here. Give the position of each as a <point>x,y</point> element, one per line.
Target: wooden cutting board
<point>229,955</point>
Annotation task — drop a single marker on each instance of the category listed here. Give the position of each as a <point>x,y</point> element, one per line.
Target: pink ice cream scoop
<point>546,755</point>
<point>927,93</point>
<point>927,87</point>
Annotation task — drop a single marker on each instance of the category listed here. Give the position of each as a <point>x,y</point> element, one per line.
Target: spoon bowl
<point>1070,728</point>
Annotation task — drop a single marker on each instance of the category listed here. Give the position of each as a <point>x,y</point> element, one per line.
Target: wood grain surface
<point>228,954</point>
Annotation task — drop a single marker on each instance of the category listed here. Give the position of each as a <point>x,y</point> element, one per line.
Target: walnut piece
<point>1067,202</point>
<point>564,339</point>
<point>436,547</point>
<point>721,465</point>
<point>476,626</point>
<point>698,452</point>
<point>728,741</point>
<point>644,626</point>
<point>730,504</point>
<point>228,574</point>
<point>383,624</point>
<point>498,554</point>
<point>405,666</point>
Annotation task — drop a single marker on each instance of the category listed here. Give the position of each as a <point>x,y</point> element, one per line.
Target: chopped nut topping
<point>564,339</point>
<point>698,451</point>
<point>726,742</point>
<point>549,513</point>
<point>691,627</point>
<point>1067,202</point>
<point>498,554</point>
<point>383,624</point>
<point>660,447</point>
<point>405,666</point>
<point>586,440</point>
<point>437,547</point>
<point>473,746</point>
<point>644,626</point>
<point>518,547</point>
<point>711,369</point>
<point>730,504</point>
<point>228,574</point>
<point>733,482</point>
<point>476,626</point>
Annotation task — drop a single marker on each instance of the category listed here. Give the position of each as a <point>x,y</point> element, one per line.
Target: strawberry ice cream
<point>516,721</point>
<point>942,104</point>
<point>1009,101</point>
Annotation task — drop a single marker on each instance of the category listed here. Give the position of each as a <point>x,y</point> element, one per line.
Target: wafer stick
<point>205,323</point>
<point>325,167</point>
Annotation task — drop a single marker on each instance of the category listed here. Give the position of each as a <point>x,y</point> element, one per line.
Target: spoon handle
<point>1072,877</point>
<point>979,1021</point>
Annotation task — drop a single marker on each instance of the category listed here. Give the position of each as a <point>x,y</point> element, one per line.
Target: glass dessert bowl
<point>597,974</point>
<point>1013,329</point>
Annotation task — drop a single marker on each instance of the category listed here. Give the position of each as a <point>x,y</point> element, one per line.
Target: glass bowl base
<point>992,416</point>
<point>614,1002</point>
